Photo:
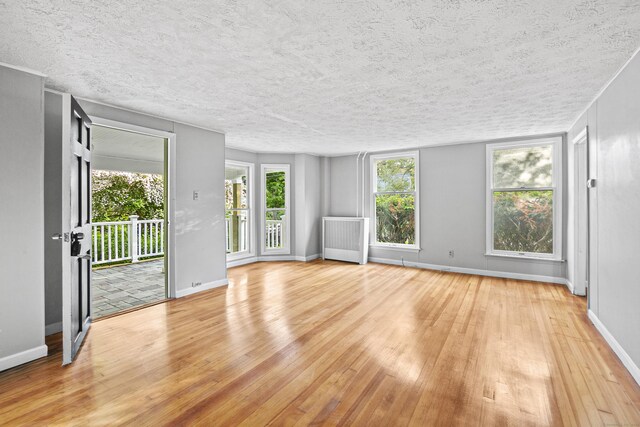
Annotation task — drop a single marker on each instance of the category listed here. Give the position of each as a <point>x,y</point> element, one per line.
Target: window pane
<point>396,174</point>
<point>237,231</point>
<point>275,189</point>
<point>274,228</point>
<point>523,221</point>
<point>523,167</point>
<point>395,218</point>
<point>235,185</point>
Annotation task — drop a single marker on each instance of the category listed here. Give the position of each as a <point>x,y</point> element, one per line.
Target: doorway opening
<point>129,220</point>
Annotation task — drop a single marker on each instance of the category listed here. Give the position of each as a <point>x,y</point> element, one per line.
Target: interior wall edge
<point>624,357</point>
<point>604,88</point>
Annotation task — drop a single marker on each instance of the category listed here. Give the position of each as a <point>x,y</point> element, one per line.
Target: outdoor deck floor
<point>126,286</point>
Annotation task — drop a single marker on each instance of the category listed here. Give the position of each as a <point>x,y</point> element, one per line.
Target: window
<point>275,202</point>
<point>238,205</point>
<point>524,199</point>
<point>395,200</point>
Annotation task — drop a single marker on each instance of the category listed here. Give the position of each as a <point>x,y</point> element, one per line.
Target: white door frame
<point>251,241</point>
<point>581,230</point>
<point>285,167</point>
<point>170,168</point>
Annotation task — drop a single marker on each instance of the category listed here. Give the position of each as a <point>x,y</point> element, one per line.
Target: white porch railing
<point>274,234</point>
<point>242,234</point>
<point>127,240</point>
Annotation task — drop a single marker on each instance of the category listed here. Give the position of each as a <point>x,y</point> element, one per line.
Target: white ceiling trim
<point>601,91</point>
<point>23,69</point>
<point>142,113</point>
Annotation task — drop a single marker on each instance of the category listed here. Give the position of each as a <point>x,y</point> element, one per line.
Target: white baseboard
<point>479,272</point>
<point>570,286</point>
<point>23,357</point>
<point>307,258</point>
<point>53,328</point>
<point>276,258</point>
<point>628,363</point>
<point>267,258</point>
<point>581,293</point>
<point>204,287</point>
<point>490,273</point>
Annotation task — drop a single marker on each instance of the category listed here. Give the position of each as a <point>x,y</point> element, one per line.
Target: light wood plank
<point>337,344</point>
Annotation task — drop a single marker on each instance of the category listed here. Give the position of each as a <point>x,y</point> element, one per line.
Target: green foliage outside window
<point>395,218</point>
<point>275,189</point>
<point>395,202</point>
<point>118,195</point>
<point>523,217</point>
<point>523,221</point>
<point>396,174</point>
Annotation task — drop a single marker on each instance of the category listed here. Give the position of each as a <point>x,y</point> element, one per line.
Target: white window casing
<point>286,236</point>
<point>556,187</point>
<point>373,159</point>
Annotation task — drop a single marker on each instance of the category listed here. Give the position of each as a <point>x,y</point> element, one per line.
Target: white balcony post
<point>133,238</point>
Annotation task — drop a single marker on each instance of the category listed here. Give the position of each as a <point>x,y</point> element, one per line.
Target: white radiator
<point>345,238</point>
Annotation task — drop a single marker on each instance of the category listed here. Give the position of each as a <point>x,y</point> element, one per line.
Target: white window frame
<point>250,211</point>
<point>416,194</point>
<point>286,168</point>
<point>556,187</point>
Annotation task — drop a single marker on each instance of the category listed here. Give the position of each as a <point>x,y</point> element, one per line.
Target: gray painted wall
<point>614,138</point>
<point>308,201</point>
<point>313,203</point>
<point>197,225</point>
<point>343,188</point>
<point>452,210</point>
<point>21,212</point>
<point>53,216</point>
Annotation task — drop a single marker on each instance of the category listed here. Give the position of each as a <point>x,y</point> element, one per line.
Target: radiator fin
<point>343,235</point>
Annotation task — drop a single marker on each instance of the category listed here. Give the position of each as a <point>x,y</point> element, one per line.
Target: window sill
<point>525,257</point>
<point>395,248</point>
<point>236,256</point>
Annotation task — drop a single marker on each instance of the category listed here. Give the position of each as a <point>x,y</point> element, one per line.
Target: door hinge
<point>591,183</point>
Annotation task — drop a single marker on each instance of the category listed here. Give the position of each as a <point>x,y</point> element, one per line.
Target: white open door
<point>76,227</point>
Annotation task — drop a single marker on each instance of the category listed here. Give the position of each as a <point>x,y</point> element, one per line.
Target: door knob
<point>76,246</point>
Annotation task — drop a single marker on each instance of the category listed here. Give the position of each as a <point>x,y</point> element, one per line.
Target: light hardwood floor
<point>338,344</point>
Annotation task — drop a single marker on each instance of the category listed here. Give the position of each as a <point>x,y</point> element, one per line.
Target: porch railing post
<point>133,238</point>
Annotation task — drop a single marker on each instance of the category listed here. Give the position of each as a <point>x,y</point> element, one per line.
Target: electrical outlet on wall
<point>451,253</point>
<point>196,194</point>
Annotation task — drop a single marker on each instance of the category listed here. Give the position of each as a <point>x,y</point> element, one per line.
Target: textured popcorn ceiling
<point>331,76</point>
